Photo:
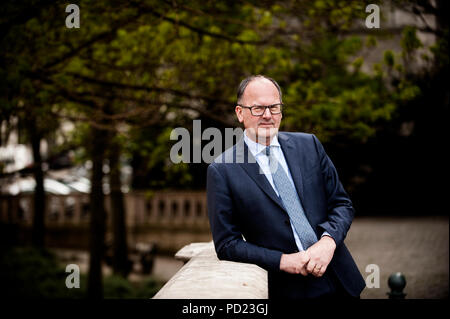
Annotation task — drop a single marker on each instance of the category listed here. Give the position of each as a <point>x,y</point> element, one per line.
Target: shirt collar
<point>257,148</point>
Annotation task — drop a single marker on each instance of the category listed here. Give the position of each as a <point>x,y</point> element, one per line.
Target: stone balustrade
<point>204,276</point>
<point>159,208</point>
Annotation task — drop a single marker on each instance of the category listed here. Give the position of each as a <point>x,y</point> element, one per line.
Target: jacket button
<point>287,222</point>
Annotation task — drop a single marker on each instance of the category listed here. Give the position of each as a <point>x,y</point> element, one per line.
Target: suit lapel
<point>293,161</point>
<point>252,169</point>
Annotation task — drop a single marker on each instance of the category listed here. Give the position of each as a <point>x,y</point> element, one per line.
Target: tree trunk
<point>98,216</point>
<point>38,231</point>
<point>120,248</point>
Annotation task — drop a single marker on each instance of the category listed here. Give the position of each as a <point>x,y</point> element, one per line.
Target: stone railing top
<point>195,249</point>
<point>204,276</point>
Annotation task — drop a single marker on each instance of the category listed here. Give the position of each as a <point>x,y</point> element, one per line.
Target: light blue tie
<point>291,201</point>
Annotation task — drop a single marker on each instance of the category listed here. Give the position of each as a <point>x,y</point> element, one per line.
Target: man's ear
<point>238,111</point>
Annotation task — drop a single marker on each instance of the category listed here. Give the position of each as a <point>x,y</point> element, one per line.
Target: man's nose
<point>267,114</point>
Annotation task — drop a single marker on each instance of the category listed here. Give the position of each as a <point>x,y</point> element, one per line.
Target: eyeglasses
<point>259,110</point>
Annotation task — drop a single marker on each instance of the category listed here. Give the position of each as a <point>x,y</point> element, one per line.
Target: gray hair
<point>246,81</point>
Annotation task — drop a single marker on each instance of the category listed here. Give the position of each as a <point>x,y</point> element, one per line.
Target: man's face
<point>260,128</point>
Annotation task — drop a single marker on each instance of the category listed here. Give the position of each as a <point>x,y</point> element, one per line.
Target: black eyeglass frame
<point>265,107</point>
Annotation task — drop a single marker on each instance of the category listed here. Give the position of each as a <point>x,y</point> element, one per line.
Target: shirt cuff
<point>326,234</point>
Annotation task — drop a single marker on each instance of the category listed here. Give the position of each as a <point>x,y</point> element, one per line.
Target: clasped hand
<point>313,261</point>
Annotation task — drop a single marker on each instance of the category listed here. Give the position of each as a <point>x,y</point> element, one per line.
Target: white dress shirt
<point>263,161</point>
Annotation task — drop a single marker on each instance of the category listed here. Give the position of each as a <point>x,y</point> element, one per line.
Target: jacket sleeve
<point>339,206</point>
<point>228,239</point>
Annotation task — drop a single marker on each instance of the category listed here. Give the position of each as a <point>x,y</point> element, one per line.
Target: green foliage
<point>410,41</point>
<point>27,272</point>
<point>148,288</point>
<point>30,273</point>
<point>150,66</point>
<point>440,51</point>
<point>389,58</point>
<point>143,144</point>
<point>117,287</point>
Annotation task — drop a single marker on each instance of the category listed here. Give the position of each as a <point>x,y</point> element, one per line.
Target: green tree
<point>137,69</point>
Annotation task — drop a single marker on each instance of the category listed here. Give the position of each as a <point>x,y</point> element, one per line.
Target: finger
<point>303,271</point>
<point>316,270</point>
<point>310,266</point>
<point>304,264</point>
<point>301,268</point>
<point>304,256</point>
<point>322,271</point>
<point>315,274</point>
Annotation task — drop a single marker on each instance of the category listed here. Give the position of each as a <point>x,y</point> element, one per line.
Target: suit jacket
<point>250,224</point>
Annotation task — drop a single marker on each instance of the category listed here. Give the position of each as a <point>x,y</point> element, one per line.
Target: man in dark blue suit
<point>275,200</point>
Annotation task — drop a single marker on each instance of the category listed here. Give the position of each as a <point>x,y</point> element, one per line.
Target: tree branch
<point>97,38</point>
<point>148,89</point>
<point>199,30</point>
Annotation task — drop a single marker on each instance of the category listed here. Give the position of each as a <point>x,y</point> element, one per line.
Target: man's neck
<point>263,140</point>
